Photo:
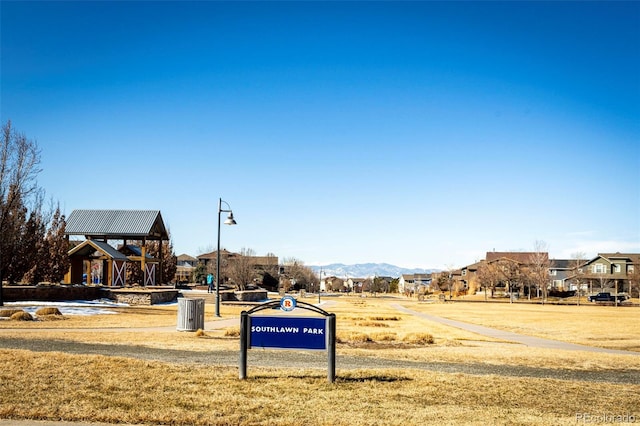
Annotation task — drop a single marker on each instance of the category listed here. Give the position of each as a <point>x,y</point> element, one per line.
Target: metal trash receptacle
<point>190,314</point>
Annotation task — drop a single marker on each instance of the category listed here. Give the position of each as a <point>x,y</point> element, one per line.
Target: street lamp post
<point>319,285</point>
<point>230,221</point>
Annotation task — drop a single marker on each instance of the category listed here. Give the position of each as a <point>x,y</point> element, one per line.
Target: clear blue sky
<point>420,134</point>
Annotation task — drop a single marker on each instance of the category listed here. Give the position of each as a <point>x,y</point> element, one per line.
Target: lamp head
<point>230,220</point>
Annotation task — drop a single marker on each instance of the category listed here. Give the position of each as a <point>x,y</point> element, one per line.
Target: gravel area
<point>311,360</point>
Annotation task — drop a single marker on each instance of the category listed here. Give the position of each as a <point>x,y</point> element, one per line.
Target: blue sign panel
<point>288,332</point>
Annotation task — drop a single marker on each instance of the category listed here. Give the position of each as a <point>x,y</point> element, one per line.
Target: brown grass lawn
<point>604,326</point>
<point>54,385</point>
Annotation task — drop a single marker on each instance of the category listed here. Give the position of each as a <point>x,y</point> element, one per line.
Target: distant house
<point>469,277</point>
<point>414,283</point>
<point>186,266</point>
<point>521,261</point>
<point>354,284</point>
<point>522,257</point>
<point>406,284</point>
<point>559,271</point>
<point>261,264</point>
<point>612,271</point>
<point>332,284</point>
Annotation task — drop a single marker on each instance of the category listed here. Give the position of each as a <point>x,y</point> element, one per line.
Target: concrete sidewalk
<point>531,341</point>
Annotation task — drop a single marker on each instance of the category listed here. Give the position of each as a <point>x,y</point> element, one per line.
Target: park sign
<point>287,332</point>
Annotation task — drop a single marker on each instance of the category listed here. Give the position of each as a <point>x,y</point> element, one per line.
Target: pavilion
<point>101,226</point>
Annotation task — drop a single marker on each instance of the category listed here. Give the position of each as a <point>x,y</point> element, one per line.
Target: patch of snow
<point>75,307</point>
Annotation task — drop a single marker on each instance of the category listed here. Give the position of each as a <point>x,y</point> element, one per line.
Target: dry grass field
<point>55,385</point>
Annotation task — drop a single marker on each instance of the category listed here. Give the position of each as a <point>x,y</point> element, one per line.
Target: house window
<point>553,272</point>
<point>616,268</point>
<point>557,283</point>
<point>630,269</point>
<point>599,268</point>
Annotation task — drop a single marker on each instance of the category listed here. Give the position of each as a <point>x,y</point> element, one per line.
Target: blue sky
<point>420,134</point>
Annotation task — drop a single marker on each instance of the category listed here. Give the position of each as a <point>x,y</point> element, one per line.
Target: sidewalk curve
<point>531,341</point>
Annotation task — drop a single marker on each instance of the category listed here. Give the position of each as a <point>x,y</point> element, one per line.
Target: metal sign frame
<point>310,335</point>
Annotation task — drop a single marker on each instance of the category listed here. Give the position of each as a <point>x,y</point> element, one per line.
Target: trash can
<point>190,314</point>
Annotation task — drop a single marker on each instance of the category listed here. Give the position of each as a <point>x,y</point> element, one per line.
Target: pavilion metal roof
<point>117,224</point>
<point>89,246</point>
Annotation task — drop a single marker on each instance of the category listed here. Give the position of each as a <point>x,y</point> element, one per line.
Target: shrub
<point>419,338</point>
<point>372,324</point>
<point>384,337</point>
<point>352,337</point>
<point>6,313</point>
<point>21,316</point>
<point>48,311</point>
<point>200,333</point>
<point>384,318</point>
<point>232,332</point>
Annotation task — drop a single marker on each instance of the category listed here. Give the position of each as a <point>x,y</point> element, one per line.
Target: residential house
<point>261,264</point>
<point>522,257</point>
<point>450,281</point>
<point>559,271</point>
<point>354,284</point>
<point>414,283</point>
<point>406,284</point>
<point>513,279</point>
<point>615,272</point>
<point>185,267</point>
<point>332,283</point>
<point>469,277</point>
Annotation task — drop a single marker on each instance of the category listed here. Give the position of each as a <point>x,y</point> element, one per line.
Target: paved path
<point>531,341</point>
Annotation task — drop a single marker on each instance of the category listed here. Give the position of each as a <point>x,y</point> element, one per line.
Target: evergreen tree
<point>13,247</point>
<point>58,247</point>
<point>32,249</point>
<point>169,259</point>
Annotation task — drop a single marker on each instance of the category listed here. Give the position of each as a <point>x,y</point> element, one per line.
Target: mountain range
<point>366,270</point>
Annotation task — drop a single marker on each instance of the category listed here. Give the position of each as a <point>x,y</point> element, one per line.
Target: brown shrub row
<point>21,315</point>
<point>411,338</point>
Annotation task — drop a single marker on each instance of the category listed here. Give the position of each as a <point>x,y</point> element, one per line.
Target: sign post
<point>288,332</point>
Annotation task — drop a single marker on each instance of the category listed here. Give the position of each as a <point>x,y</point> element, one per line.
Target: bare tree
<point>299,275</point>
<point>269,272</point>
<point>510,272</point>
<point>537,272</point>
<point>577,272</point>
<point>604,281</point>
<point>242,269</point>
<point>381,285</point>
<point>19,160</point>
<point>488,277</point>
<point>367,285</point>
